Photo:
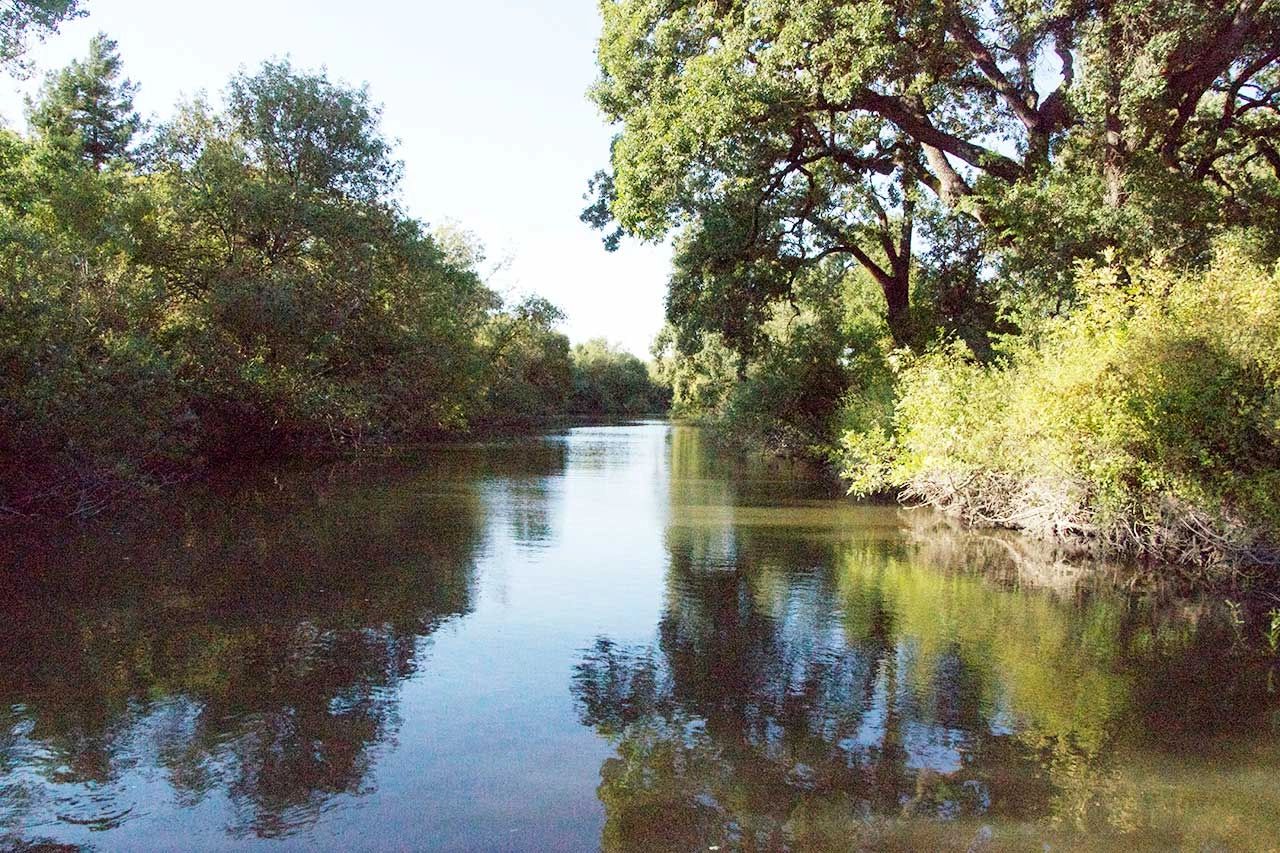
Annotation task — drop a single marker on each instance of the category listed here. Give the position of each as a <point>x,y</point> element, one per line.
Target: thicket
<point>239,280</point>
<point>1146,421</point>
<point>540,378</point>
<point>786,393</point>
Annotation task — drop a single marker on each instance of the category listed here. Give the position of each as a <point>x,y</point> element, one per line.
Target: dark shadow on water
<point>247,640</point>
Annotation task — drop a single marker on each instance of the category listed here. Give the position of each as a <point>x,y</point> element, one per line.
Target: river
<point>609,637</point>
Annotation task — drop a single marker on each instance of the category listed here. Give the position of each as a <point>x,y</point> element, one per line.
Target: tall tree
<point>87,107</point>
<point>784,131</point>
<point>22,19</point>
<point>284,228</point>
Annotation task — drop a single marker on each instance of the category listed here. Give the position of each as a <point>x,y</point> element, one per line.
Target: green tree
<point>20,20</point>
<point>608,380</point>
<point>86,108</point>
<point>528,373</point>
<point>249,286</point>
<point>775,134</point>
<point>314,300</point>
<point>311,134</point>
<point>817,364</point>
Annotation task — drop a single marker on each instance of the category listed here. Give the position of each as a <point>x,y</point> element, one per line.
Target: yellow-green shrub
<point>1147,421</point>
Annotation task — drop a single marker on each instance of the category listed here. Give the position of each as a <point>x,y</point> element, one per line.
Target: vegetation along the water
<point>938,507</point>
<point>1013,260</point>
<point>241,280</point>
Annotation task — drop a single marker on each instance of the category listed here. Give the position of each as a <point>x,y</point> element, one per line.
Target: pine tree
<point>87,108</point>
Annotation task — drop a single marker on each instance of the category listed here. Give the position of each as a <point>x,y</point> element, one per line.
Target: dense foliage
<point>776,133</point>
<point>1148,419</point>
<point>853,185</point>
<point>787,393</point>
<point>242,280</point>
<point>611,381</point>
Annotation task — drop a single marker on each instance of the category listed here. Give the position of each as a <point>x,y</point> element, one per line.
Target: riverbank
<point>1142,425</point>
<point>242,281</point>
<point>77,498</point>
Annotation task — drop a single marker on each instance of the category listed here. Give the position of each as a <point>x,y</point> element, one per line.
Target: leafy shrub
<point>531,373</point>
<point>1147,421</point>
<point>819,369</point>
<point>700,382</point>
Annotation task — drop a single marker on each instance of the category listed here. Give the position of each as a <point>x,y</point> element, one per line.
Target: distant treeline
<point>240,280</point>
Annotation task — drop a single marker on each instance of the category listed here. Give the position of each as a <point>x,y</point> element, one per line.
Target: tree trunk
<point>897,295</point>
<point>1114,157</point>
<point>895,280</point>
<point>897,288</point>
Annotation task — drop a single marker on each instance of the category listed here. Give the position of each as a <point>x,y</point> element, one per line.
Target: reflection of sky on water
<point>615,636</point>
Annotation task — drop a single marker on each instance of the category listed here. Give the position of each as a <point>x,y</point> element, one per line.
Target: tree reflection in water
<point>819,687</point>
<point>821,676</point>
<point>248,647</point>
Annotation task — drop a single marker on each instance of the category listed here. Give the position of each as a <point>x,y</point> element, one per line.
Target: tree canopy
<point>239,280</point>
<point>22,20</point>
<point>608,380</point>
<point>977,168</point>
<point>86,108</point>
<point>776,133</point>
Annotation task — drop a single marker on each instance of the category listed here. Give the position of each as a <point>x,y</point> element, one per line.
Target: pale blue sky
<point>487,99</point>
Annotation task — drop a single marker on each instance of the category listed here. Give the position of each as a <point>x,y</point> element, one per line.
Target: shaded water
<point>612,637</point>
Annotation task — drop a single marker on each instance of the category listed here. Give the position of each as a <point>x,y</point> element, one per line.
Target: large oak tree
<point>775,133</point>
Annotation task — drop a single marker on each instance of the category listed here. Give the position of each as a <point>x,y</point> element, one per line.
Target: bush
<point>531,373</point>
<point>820,368</point>
<point>701,382</point>
<point>1146,422</point>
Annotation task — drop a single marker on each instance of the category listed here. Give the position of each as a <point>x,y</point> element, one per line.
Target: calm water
<point>612,637</point>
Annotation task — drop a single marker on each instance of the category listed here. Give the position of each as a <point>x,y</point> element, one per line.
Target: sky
<point>487,99</point>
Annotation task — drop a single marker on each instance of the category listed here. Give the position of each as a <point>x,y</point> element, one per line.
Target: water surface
<point>612,637</point>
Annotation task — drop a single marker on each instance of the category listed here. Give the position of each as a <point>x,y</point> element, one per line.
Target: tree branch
<point>914,122</point>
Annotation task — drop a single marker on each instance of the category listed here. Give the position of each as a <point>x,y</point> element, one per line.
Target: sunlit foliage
<point>1146,420</point>
<point>772,134</point>
<point>977,163</point>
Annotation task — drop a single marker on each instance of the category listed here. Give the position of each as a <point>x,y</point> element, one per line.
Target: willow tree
<point>775,133</point>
